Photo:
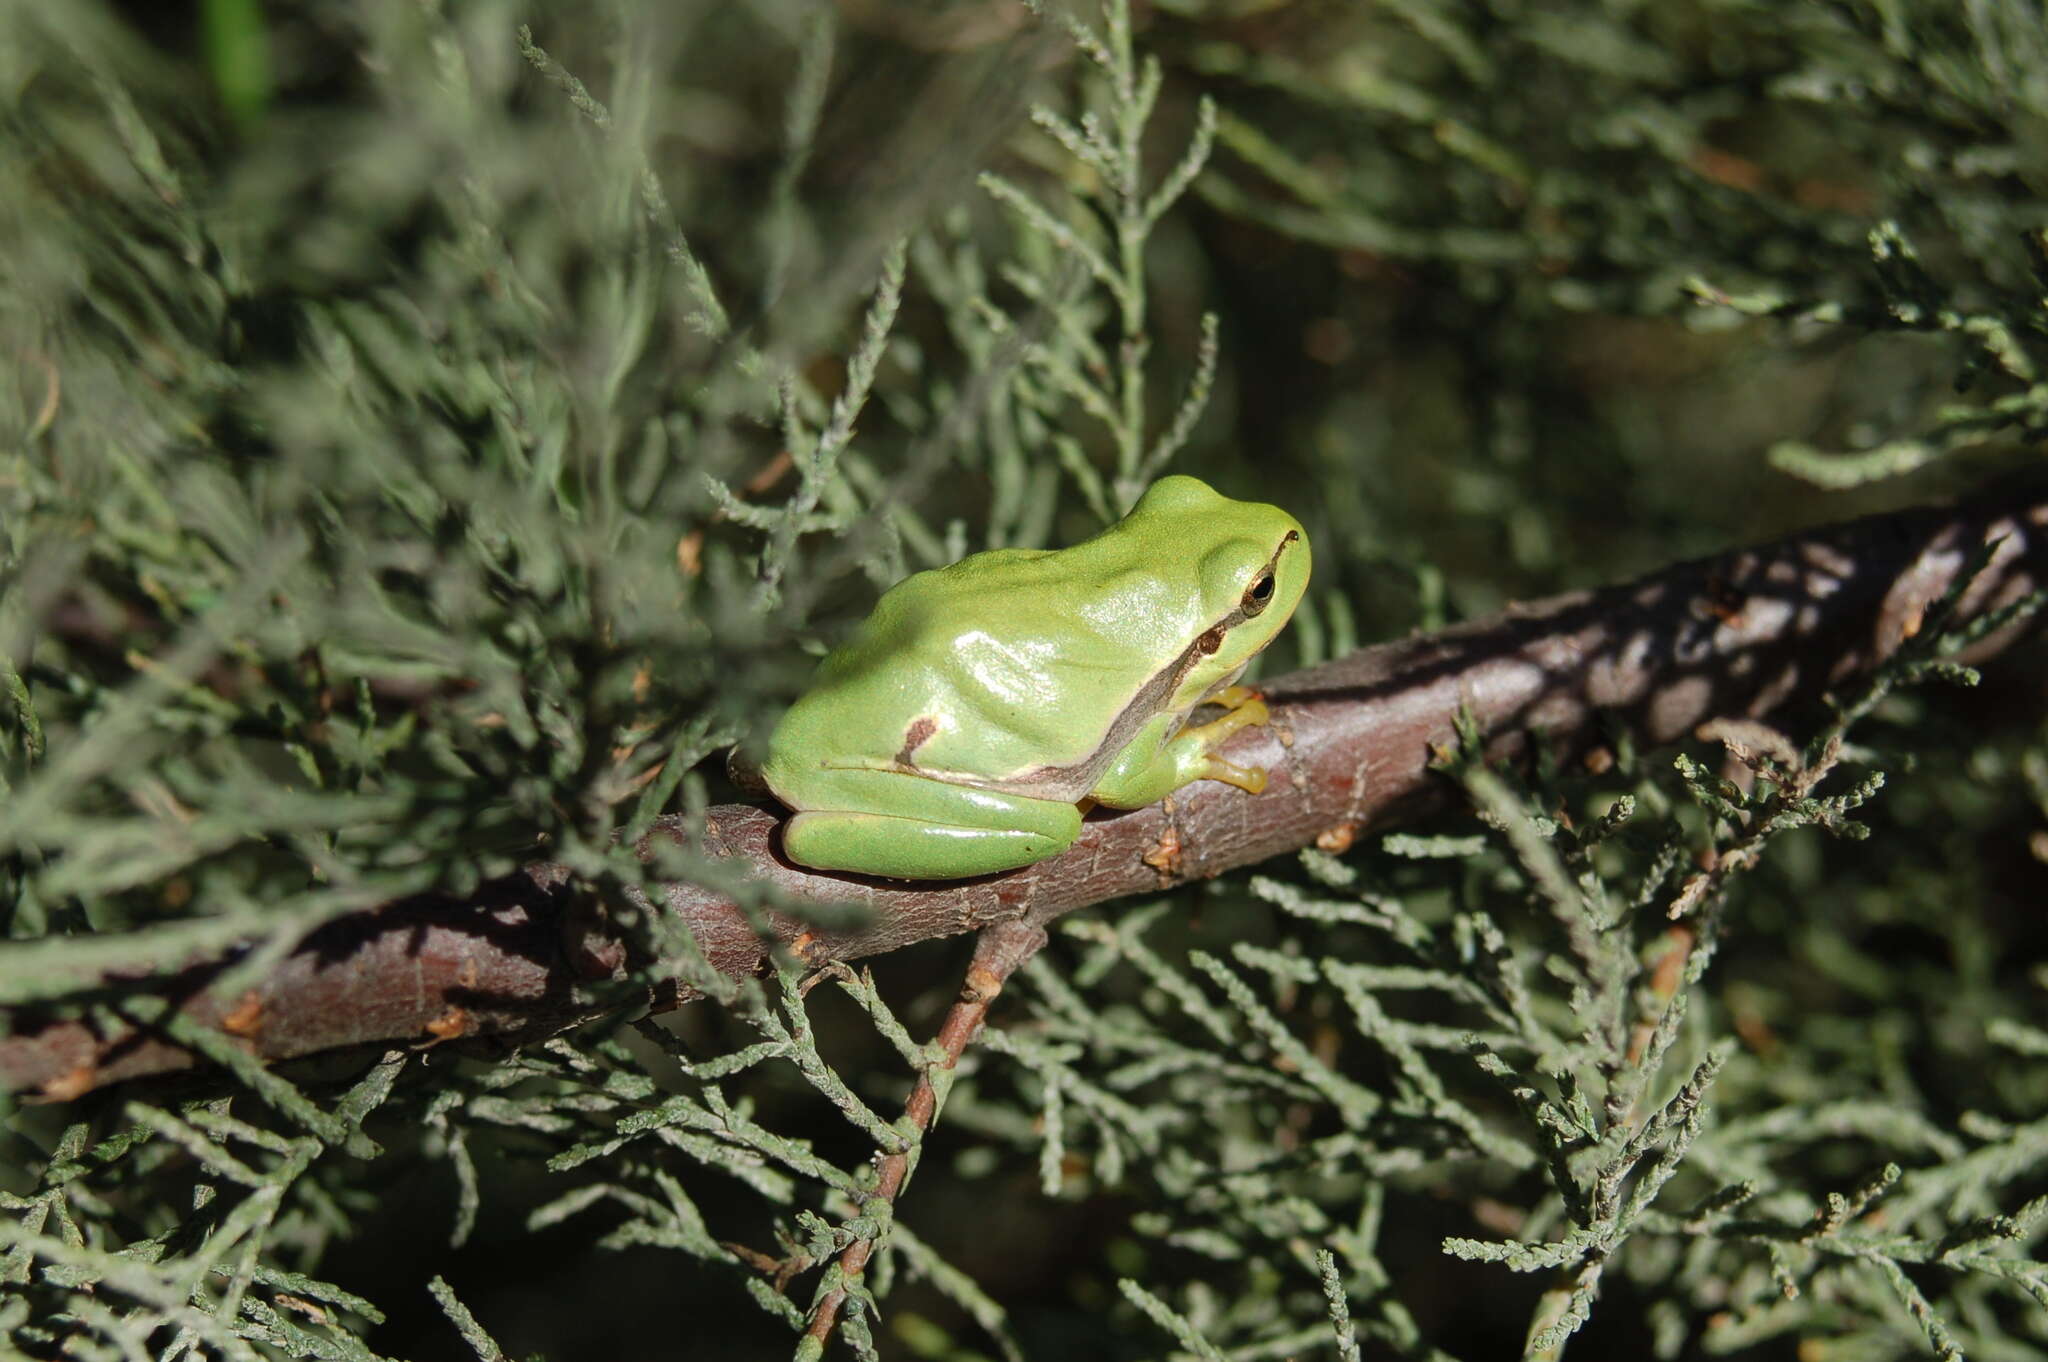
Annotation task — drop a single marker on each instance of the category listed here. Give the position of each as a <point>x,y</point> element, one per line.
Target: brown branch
<point>1349,749</point>
<point>999,952</point>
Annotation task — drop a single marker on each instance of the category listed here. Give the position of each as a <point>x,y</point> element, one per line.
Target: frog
<point>984,707</point>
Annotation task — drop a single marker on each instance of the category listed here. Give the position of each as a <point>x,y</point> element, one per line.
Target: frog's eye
<point>1259,594</point>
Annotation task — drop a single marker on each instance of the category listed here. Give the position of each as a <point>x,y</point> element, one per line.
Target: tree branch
<point>1349,749</point>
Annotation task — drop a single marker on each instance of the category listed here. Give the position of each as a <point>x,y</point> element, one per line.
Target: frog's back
<point>994,670</point>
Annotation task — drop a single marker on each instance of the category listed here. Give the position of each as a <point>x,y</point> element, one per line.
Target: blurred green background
<point>394,452</point>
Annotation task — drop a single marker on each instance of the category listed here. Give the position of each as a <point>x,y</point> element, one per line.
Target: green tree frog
<point>983,707</point>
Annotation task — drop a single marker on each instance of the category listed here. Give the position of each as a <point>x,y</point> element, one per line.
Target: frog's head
<point>1250,564</point>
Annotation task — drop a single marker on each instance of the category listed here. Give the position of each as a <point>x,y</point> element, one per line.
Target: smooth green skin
<point>971,719</point>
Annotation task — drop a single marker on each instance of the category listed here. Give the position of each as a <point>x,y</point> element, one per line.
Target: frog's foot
<point>1159,760</point>
<point>1240,697</point>
<point>1244,708</point>
<point>913,828</point>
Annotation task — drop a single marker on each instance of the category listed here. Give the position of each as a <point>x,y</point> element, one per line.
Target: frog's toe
<point>1250,779</point>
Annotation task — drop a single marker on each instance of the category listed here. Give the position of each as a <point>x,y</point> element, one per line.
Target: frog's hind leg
<point>932,830</point>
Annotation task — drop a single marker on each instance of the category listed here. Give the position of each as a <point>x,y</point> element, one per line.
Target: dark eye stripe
<point>1258,593</point>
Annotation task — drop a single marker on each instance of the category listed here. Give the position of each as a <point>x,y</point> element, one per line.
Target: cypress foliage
<point>432,432</point>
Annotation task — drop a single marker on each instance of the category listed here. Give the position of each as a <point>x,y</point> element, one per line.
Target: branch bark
<point>1349,749</point>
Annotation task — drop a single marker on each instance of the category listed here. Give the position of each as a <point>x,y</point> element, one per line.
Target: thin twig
<point>999,952</point>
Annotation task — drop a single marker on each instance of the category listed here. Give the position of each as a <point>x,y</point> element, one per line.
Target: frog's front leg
<point>1153,765</point>
<point>876,822</point>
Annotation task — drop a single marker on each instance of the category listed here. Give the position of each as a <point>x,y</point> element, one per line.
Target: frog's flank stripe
<point>1073,782</point>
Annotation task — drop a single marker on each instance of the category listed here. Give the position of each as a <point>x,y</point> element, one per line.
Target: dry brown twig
<point>1349,747</point>
<point>998,953</point>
